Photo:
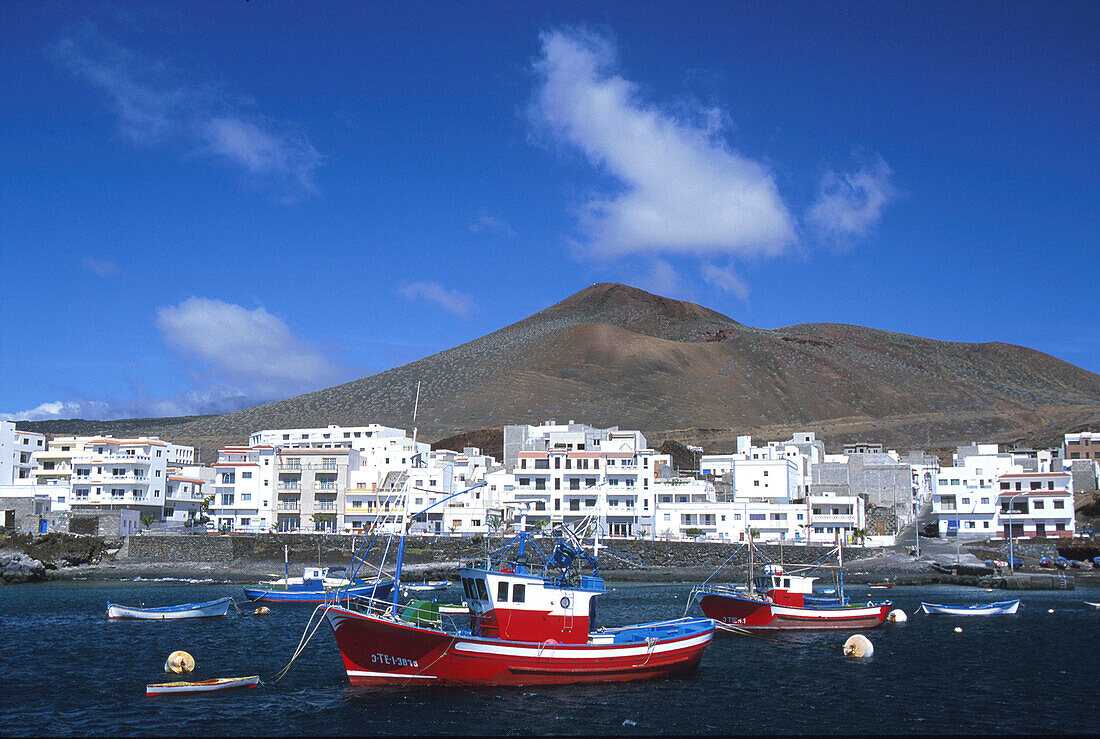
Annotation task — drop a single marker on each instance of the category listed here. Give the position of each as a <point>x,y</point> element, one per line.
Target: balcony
<point>283,486</point>
<point>828,518</point>
<point>324,506</point>
<point>288,505</point>
<point>132,479</point>
<point>324,486</point>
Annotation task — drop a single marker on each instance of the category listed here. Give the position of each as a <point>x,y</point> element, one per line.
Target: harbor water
<point>64,669</point>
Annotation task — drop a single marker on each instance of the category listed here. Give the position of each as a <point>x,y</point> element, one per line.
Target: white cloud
<point>488,223</point>
<point>848,204</point>
<point>189,403</point>
<point>452,301</point>
<point>725,279</point>
<point>663,279</point>
<point>99,267</point>
<point>684,190</point>
<point>152,109</point>
<point>54,409</point>
<point>251,352</point>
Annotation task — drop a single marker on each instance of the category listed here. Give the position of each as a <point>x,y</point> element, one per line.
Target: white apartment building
<point>381,449</point>
<point>310,487</point>
<point>183,496</point>
<point>104,472</point>
<point>989,494</point>
<point>611,480</point>
<point>242,495</point>
<point>17,449</point>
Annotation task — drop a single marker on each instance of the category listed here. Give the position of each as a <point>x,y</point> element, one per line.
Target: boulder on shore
<point>17,567</point>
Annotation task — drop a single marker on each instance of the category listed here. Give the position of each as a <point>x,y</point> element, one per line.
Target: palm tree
<point>147,519</point>
<point>859,535</point>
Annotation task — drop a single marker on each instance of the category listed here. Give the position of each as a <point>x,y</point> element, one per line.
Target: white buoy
<point>858,646</point>
<point>179,662</point>
<point>262,611</point>
<point>958,629</point>
<point>897,616</point>
<point>1050,610</point>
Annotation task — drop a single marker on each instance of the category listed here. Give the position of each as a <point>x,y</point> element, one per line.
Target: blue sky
<point>208,208</point>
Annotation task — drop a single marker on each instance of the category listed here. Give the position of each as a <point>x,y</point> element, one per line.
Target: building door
<point>1040,529</point>
<point>43,526</point>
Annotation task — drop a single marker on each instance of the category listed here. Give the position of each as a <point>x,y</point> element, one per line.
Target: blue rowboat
<point>211,608</point>
<point>1006,607</point>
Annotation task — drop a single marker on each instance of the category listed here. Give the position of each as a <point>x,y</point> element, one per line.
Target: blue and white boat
<point>429,586</point>
<point>317,585</point>
<point>212,608</point>
<point>1006,607</point>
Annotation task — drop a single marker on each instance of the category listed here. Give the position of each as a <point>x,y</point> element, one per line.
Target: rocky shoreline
<point>27,559</point>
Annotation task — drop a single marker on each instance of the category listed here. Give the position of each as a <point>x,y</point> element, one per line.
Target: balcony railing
<point>829,518</point>
<point>288,486</point>
<point>324,506</point>
<point>324,486</point>
<point>287,506</point>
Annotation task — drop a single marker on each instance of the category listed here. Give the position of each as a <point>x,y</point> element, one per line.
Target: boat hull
<point>204,686</point>
<point>748,613</point>
<point>381,651</point>
<point>316,595</point>
<point>211,609</point>
<point>1006,608</point>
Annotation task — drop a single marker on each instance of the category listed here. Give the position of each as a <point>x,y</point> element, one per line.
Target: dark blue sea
<point>64,669</point>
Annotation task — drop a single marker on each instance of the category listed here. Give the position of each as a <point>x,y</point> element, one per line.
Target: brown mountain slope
<point>612,354</point>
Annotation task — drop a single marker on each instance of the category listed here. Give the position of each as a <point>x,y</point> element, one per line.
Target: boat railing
<point>384,609</point>
<point>720,589</point>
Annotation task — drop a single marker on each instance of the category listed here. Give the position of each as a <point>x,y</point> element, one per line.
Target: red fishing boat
<point>782,600</point>
<point>525,627</point>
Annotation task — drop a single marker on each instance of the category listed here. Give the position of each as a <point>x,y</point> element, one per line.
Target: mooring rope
<point>302,643</point>
<point>747,632</point>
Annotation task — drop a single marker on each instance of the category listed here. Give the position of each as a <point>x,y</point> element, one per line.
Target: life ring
<point>565,602</point>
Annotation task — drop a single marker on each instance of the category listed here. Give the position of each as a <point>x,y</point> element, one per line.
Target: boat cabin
<point>315,573</point>
<point>516,605</point>
<point>783,588</point>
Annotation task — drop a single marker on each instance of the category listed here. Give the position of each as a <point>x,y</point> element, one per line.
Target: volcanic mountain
<point>615,355</point>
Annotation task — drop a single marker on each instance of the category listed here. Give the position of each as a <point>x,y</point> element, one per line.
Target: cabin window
<point>467,587</point>
<point>518,593</point>
<point>482,592</point>
<point>786,582</point>
<point>502,592</point>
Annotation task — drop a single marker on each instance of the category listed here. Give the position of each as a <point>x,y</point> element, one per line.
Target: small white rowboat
<point>1090,603</point>
<point>981,609</point>
<point>204,686</point>
<point>217,607</point>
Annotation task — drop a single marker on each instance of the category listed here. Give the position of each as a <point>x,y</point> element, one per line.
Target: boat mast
<point>405,517</point>
<point>750,583</point>
<point>840,561</point>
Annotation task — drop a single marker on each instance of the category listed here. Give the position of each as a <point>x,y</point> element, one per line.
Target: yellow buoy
<point>262,611</point>
<point>897,616</point>
<point>958,629</point>
<point>858,646</point>
<point>179,662</point>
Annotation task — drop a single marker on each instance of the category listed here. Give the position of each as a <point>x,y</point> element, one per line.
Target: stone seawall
<point>337,549</point>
